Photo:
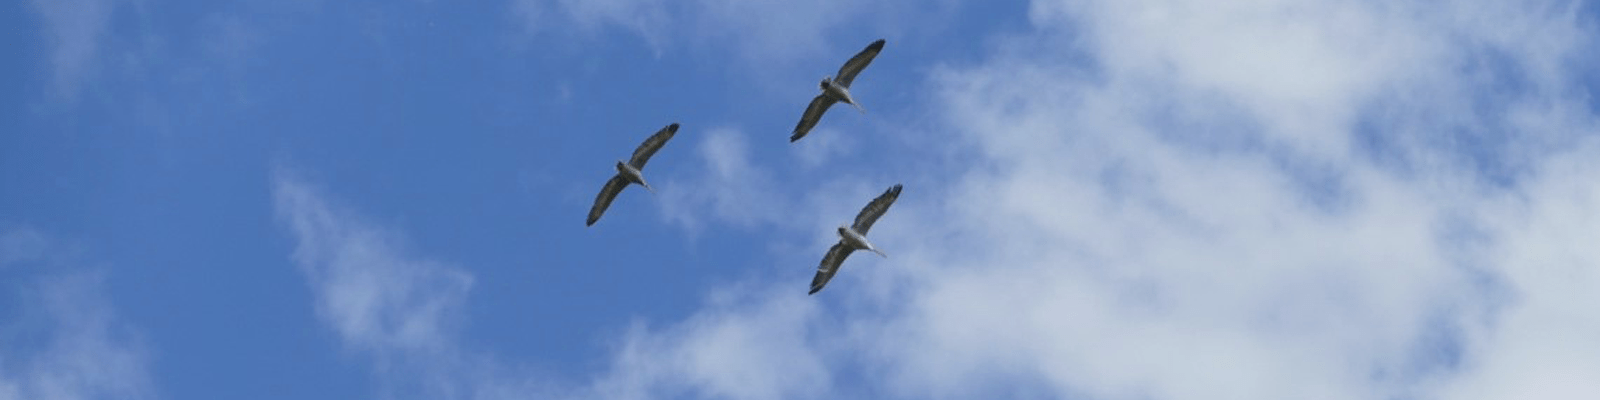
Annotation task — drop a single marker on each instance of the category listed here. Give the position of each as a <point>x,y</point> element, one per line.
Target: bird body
<point>836,89</point>
<point>633,175</point>
<point>630,172</point>
<point>854,237</point>
<point>857,241</point>
<point>840,93</point>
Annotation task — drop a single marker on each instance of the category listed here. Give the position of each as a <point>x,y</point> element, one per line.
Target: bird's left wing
<point>813,114</point>
<point>649,147</point>
<point>847,73</point>
<point>607,194</point>
<point>875,209</point>
<point>830,265</point>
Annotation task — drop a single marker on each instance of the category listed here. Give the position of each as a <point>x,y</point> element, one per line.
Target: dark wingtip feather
<point>814,290</point>
<point>795,136</point>
<point>878,45</point>
<point>673,127</point>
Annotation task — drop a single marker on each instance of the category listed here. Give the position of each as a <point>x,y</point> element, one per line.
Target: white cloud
<point>1540,345</point>
<point>18,245</point>
<point>75,30</point>
<point>733,350</point>
<point>646,18</point>
<point>727,186</point>
<point>398,310</point>
<point>767,32</point>
<point>65,342</point>
<point>387,305</point>
<point>822,146</point>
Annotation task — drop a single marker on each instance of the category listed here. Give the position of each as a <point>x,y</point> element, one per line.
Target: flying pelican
<point>629,172</point>
<point>854,237</point>
<point>836,89</point>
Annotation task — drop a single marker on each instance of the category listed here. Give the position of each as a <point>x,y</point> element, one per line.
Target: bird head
<point>826,80</point>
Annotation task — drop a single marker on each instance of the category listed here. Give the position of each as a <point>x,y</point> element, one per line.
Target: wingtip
<point>795,137</point>
<point>814,290</point>
<point>878,44</point>
<point>672,127</point>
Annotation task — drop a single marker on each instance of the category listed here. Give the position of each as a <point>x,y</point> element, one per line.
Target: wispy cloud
<point>391,307</point>
<point>796,31</point>
<point>824,145</point>
<point>65,342</point>
<point>75,30</point>
<point>18,245</point>
<point>399,311</point>
<point>732,349</point>
<point>727,187</point>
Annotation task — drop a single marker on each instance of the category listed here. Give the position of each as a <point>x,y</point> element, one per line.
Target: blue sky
<point>1103,200</point>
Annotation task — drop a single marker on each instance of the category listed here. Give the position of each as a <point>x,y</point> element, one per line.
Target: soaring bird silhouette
<point>629,172</point>
<point>854,237</point>
<point>836,89</point>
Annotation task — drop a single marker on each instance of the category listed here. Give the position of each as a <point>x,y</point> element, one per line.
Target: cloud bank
<point>1178,200</point>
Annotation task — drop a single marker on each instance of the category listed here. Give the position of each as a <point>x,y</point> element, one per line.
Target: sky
<point>1103,199</point>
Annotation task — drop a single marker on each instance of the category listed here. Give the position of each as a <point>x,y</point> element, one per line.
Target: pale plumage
<point>631,171</point>
<point>836,89</point>
<point>854,238</point>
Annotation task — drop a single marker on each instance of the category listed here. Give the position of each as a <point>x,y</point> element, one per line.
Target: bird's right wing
<point>813,113</point>
<point>642,154</point>
<point>830,265</point>
<point>847,73</point>
<point>607,193</point>
<point>875,209</point>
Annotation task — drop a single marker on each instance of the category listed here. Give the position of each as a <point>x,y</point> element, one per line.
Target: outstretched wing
<point>649,147</point>
<point>830,265</point>
<point>607,193</point>
<point>813,113</point>
<point>848,72</point>
<point>875,209</point>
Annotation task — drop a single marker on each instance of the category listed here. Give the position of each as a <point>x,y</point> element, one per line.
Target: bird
<point>854,237</point>
<point>836,89</point>
<point>629,172</point>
